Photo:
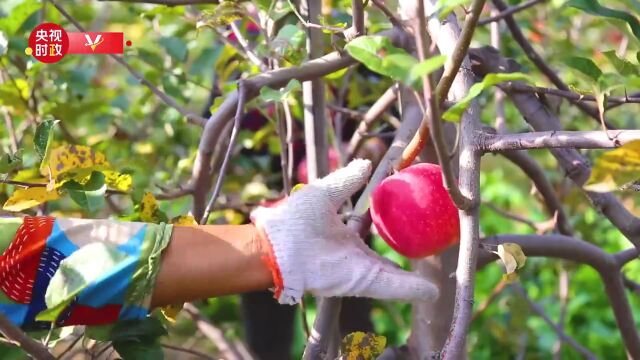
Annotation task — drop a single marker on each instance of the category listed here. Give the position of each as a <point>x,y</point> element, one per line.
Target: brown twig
<point>26,343</point>
<point>247,49</point>
<point>537,60</point>
<point>557,328</point>
<point>510,11</point>
<point>188,351</point>
<point>567,94</point>
<point>388,13</point>
<point>226,348</point>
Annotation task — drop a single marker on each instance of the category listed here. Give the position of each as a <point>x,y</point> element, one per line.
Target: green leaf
<point>147,329</point>
<point>225,13</point>
<point>43,137</point>
<point>455,112</point>
<point>623,67</point>
<point>615,168</point>
<point>593,7</point>
<point>269,94</point>
<point>132,350</point>
<point>585,66</point>
<point>175,47</point>
<point>379,55</point>
<point>18,15</point>
<point>90,195</point>
<point>425,67</point>
<point>138,339</point>
<point>9,162</point>
<point>445,7</point>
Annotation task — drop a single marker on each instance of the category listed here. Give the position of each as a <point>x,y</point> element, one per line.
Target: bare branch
<point>227,156</point>
<point>574,164</point>
<point>537,60</point>
<point>531,168</point>
<point>569,248</point>
<point>510,11</point>
<point>557,328</point>
<point>169,2</point>
<point>188,351</point>
<point>226,348</point>
<point>190,116</point>
<point>29,345</point>
<point>388,13</point>
<point>385,101</point>
<point>573,96</point>
<point>557,139</point>
<point>247,49</point>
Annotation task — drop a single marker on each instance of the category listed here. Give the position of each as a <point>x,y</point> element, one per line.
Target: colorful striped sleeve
<point>77,272</point>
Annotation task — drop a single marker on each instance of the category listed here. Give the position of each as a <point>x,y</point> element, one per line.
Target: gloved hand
<point>314,251</point>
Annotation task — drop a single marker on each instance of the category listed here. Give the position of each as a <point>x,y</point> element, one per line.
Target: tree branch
<point>537,60</point>
<point>190,116</point>
<point>556,139</point>
<point>569,248</point>
<point>531,168</point>
<point>510,11</point>
<point>573,96</point>
<point>459,83</point>
<point>227,350</point>
<point>574,164</point>
<point>376,110</point>
<point>26,343</point>
<point>540,311</point>
<point>169,2</point>
<point>330,307</point>
<point>202,169</point>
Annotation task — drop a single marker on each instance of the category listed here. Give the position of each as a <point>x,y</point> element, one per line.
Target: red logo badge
<point>49,43</point>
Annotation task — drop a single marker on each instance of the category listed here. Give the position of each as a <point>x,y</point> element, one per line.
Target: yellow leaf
<point>171,312</point>
<point>71,161</point>
<point>512,256</point>
<point>25,198</point>
<point>615,168</point>
<point>296,188</point>
<point>233,217</point>
<point>362,346</point>
<point>149,210</point>
<point>184,220</point>
<point>118,181</point>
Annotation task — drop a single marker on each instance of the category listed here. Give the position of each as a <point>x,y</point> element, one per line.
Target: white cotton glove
<point>314,251</point>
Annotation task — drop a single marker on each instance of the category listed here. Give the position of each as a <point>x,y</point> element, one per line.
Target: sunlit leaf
<point>623,67</point>
<point>512,256</point>
<point>223,14</point>
<point>585,66</point>
<point>25,198</point>
<point>445,7</point>
<point>362,346</point>
<point>71,161</point>
<point>19,15</point>
<point>595,8</point>
<point>455,112</point>
<point>150,211</point>
<point>118,181</point>
<point>184,220</point>
<point>372,50</point>
<point>424,68</point>
<point>615,168</point>
<point>268,94</point>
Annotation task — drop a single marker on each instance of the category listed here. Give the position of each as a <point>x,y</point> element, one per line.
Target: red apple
<point>413,212</point>
<point>303,176</point>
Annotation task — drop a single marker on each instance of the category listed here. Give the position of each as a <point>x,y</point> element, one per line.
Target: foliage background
<point>102,106</point>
